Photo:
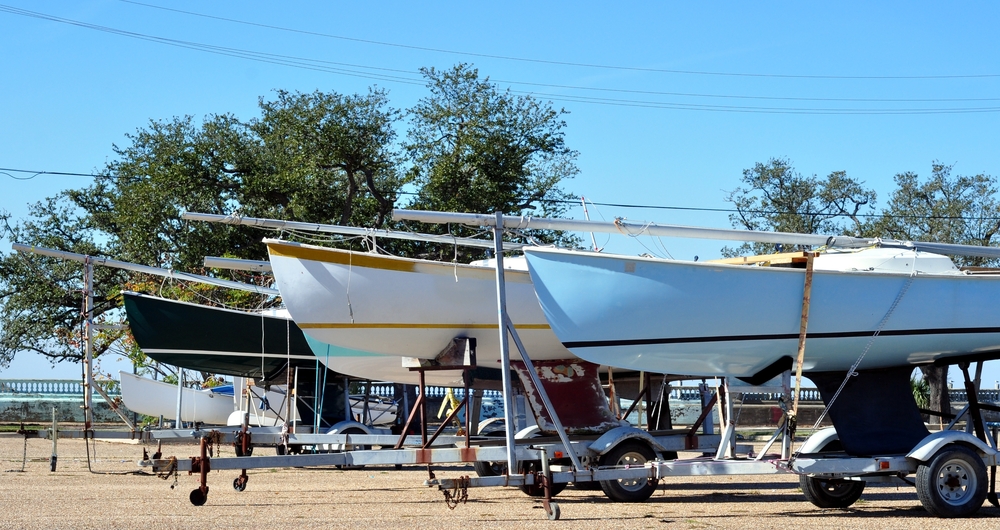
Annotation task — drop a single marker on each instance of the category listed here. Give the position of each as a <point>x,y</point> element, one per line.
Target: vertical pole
<point>289,390</point>
<point>786,440</point>
<point>508,391</point>
<point>423,410</point>
<point>348,412</point>
<point>295,396</point>
<point>180,394</point>
<point>88,365</point>
<point>55,439</point>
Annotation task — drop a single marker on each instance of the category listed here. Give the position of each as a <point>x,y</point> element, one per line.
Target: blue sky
<point>690,93</point>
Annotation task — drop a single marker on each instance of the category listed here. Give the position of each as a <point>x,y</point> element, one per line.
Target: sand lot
<point>115,493</point>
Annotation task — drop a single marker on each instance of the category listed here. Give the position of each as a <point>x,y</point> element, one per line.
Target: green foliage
<point>775,197</point>
<point>944,208</point>
<point>921,392</point>
<point>475,148</point>
<point>318,157</point>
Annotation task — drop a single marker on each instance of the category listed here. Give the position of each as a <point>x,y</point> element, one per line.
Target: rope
<point>852,372</point>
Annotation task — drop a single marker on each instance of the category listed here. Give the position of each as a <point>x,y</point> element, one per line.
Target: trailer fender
<point>615,436</point>
<point>342,426</point>
<point>819,440</point>
<point>528,432</point>
<point>929,446</point>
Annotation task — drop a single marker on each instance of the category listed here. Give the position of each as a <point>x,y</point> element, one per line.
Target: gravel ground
<point>113,493</point>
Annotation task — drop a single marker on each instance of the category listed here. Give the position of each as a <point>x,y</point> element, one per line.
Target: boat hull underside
<point>705,319</point>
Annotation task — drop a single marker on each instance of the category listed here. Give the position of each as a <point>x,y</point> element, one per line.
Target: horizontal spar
<point>696,232</point>
<point>278,224</point>
<point>168,273</point>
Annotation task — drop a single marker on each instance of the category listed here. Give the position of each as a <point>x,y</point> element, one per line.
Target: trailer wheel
<point>953,483</point>
<point>537,490</point>
<point>831,493</point>
<point>490,469</point>
<point>554,512</point>
<point>628,453</point>
<point>352,447</point>
<point>198,497</point>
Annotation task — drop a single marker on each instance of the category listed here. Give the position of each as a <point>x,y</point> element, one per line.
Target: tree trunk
<point>937,382</point>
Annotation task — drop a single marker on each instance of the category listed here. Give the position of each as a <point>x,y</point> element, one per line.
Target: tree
<point>343,142</point>
<point>945,208</point>
<point>775,197</point>
<point>477,149</point>
<point>318,157</point>
<point>949,209</point>
<point>43,298</point>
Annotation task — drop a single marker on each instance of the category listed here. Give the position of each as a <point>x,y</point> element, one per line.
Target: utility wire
<point>614,205</point>
<point>413,78</point>
<point>561,63</point>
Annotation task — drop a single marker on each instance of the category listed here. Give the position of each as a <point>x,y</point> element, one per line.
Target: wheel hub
<point>954,482</point>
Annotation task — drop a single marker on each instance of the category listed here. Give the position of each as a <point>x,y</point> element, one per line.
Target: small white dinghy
<point>156,398</point>
<point>210,406</point>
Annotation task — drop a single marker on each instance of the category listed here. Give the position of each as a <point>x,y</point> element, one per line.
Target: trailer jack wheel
<point>553,511</point>
<point>240,482</point>
<point>199,497</point>
<point>953,483</point>
<point>831,493</point>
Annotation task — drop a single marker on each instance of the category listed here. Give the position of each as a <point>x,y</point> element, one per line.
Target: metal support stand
<point>201,465</point>
<point>55,439</point>
<point>507,327</point>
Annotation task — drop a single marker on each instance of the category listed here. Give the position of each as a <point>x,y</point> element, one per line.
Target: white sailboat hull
<point>715,319</point>
<point>405,307</point>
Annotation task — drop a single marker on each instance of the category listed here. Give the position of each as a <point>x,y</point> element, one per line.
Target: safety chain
<point>214,441</point>
<point>171,470</point>
<point>459,493</point>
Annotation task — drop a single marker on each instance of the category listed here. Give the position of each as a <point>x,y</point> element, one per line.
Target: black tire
<point>240,484</point>
<point>490,469</point>
<point>952,483</point>
<point>537,490</point>
<point>831,493</point>
<point>631,453</point>
<point>198,497</point>
<point>588,486</point>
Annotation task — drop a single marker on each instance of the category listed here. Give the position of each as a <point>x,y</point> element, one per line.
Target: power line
<point>37,173</point>
<point>374,73</point>
<point>618,205</point>
<point>560,63</point>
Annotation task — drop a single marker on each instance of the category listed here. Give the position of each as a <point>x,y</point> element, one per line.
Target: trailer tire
<point>831,493</point>
<point>952,483</point>
<point>490,469</point>
<point>352,447</point>
<point>628,453</point>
